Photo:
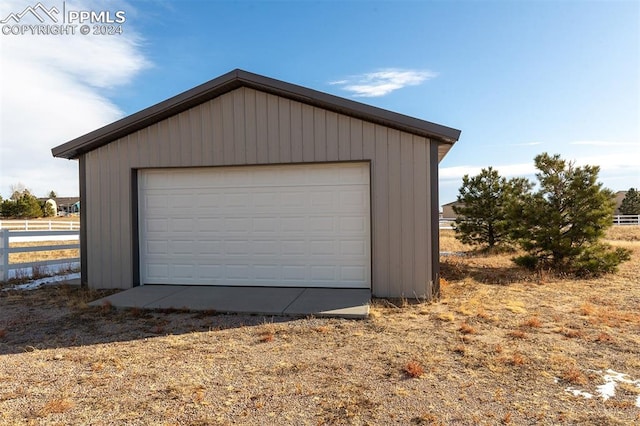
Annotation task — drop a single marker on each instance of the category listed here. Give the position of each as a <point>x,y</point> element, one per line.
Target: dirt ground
<point>501,346</point>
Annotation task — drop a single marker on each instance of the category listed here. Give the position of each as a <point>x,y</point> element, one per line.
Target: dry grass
<point>533,337</point>
<point>623,233</point>
<point>42,255</point>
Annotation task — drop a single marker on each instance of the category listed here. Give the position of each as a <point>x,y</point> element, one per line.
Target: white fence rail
<point>39,225</point>
<point>627,219</point>
<point>12,270</point>
<point>632,219</point>
<point>447,223</point>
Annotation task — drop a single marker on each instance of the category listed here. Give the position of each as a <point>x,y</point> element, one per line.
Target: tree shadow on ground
<point>454,268</point>
<point>58,316</point>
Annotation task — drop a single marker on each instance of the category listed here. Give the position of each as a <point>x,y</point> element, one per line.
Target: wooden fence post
<point>4,255</point>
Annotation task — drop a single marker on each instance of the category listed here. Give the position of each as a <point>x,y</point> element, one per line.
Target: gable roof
<point>239,78</point>
<point>61,201</point>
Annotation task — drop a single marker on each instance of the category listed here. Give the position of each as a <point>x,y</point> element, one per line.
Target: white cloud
<point>52,90</point>
<point>617,170</point>
<point>612,161</point>
<point>383,82</point>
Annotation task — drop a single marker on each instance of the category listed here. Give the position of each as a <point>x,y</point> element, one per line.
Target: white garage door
<point>290,226</point>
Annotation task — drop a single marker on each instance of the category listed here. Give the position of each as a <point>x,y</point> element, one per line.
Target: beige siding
<point>246,126</point>
<point>447,212</point>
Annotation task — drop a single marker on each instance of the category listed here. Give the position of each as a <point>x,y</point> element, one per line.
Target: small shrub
<point>587,309</point>
<point>574,376</point>
<point>466,328</point>
<point>482,313</point>
<point>571,333</point>
<point>527,261</point>
<point>56,406</point>
<point>518,334</point>
<point>106,306</point>
<point>413,369</point>
<point>460,349</point>
<point>266,336</point>
<point>515,359</point>
<point>533,322</point>
<point>506,419</point>
<point>600,259</point>
<point>427,419</point>
<point>518,359</point>
<point>604,338</point>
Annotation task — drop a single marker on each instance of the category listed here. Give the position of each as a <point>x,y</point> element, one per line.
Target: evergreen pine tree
<point>631,202</point>
<point>484,201</point>
<point>561,224</point>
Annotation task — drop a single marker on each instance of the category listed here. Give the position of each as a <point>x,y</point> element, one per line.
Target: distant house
<point>64,206</point>
<point>447,210</point>
<point>619,197</point>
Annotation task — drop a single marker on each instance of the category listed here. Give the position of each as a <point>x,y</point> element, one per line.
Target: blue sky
<point>517,77</point>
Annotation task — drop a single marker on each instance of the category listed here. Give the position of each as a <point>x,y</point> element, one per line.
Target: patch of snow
<point>611,380</point>
<point>44,281</point>
<point>608,388</point>
<point>578,392</point>
<point>452,253</point>
<point>27,271</point>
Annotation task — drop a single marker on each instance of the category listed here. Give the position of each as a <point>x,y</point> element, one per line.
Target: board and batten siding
<point>251,127</point>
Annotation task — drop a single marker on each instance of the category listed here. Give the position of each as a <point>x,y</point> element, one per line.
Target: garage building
<point>250,181</point>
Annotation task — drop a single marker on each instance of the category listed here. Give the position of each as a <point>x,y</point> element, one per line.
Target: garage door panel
<point>293,225</point>
<point>183,270</point>
<point>157,247</point>
<point>266,225</point>
<point>181,225</point>
<point>209,225</point>
<point>210,247</point>
<point>353,248</point>
<point>294,247</point>
<point>156,225</point>
<point>300,225</point>
<point>264,200</point>
<point>293,199</point>
<point>236,225</point>
<point>352,273</point>
<point>156,271</point>
<point>295,273</point>
<point>321,224</point>
<point>211,272</point>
